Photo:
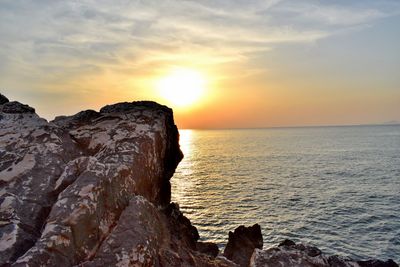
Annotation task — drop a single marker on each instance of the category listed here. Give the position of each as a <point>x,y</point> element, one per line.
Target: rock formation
<point>290,254</point>
<point>242,242</point>
<point>93,189</point>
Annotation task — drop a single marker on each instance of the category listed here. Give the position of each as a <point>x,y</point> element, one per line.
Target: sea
<point>337,188</point>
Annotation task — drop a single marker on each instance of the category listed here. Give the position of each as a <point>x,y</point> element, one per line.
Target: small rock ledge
<point>93,189</point>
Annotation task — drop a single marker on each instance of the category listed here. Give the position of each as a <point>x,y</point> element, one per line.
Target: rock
<point>144,237</point>
<point>136,239</point>
<point>186,233</point>
<point>182,248</point>
<point>65,184</point>
<point>3,99</point>
<point>79,119</point>
<point>33,155</point>
<point>16,108</point>
<point>242,242</point>
<point>290,254</point>
<point>286,243</point>
<point>208,248</point>
<point>93,190</point>
<point>377,263</point>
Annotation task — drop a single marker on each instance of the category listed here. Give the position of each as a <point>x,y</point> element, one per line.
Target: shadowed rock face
<point>3,99</point>
<point>242,242</point>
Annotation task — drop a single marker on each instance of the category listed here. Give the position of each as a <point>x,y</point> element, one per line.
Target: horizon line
<point>296,126</point>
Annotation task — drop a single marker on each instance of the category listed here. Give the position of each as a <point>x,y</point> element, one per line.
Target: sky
<point>265,63</point>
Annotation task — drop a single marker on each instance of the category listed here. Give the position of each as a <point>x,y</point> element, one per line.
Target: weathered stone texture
<point>65,184</point>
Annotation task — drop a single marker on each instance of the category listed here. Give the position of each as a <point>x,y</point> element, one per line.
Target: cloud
<point>334,14</point>
<point>48,42</point>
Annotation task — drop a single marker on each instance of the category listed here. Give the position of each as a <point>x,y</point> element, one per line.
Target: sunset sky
<point>254,63</point>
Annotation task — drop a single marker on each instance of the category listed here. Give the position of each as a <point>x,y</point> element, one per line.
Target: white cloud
<point>336,15</point>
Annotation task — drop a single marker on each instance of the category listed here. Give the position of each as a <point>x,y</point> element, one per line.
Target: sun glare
<point>182,87</point>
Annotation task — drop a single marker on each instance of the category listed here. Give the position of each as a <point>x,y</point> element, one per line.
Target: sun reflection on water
<point>185,168</point>
<point>291,181</point>
<point>185,141</point>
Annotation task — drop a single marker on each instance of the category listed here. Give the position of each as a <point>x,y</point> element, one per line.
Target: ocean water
<point>335,187</point>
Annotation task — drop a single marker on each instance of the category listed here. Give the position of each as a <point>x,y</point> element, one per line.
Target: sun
<point>182,87</point>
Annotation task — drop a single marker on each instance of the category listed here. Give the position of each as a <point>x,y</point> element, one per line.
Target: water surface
<point>335,187</point>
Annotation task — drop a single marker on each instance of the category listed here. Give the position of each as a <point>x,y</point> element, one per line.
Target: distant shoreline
<point>297,127</point>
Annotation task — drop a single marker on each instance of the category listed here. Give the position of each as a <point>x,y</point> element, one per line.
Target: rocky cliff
<point>93,189</point>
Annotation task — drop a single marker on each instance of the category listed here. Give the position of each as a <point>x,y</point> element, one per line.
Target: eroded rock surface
<point>242,242</point>
<point>91,189</point>
<point>34,154</point>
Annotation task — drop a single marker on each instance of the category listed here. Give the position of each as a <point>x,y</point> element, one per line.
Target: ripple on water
<point>335,187</point>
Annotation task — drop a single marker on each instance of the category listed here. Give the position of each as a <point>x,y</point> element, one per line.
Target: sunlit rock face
<point>34,154</point>
<point>71,187</point>
<point>93,190</point>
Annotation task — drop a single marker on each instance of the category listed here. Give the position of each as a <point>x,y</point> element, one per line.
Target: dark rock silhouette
<point>93,189</point>
<point>208,248</point>
<point>377,263</point>
<point>3,99</point>
<point>242,242</point>
<point>16,108</point>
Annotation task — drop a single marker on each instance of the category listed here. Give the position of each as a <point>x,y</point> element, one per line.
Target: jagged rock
<point>287,243</point>
<point>242,242</point>
<point>182,249</point>
<point>290,254</point>
<point>147,236</point>
<point>136,239</point>
<point>186,233</point>
<point>33,155</point>
<point>377,263</point>
<point>208,248</point>
<point>64,184</point>
<point>93,189</point>
<point>16,108</point>
<point>79,119</point>
<point>3,99</point>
